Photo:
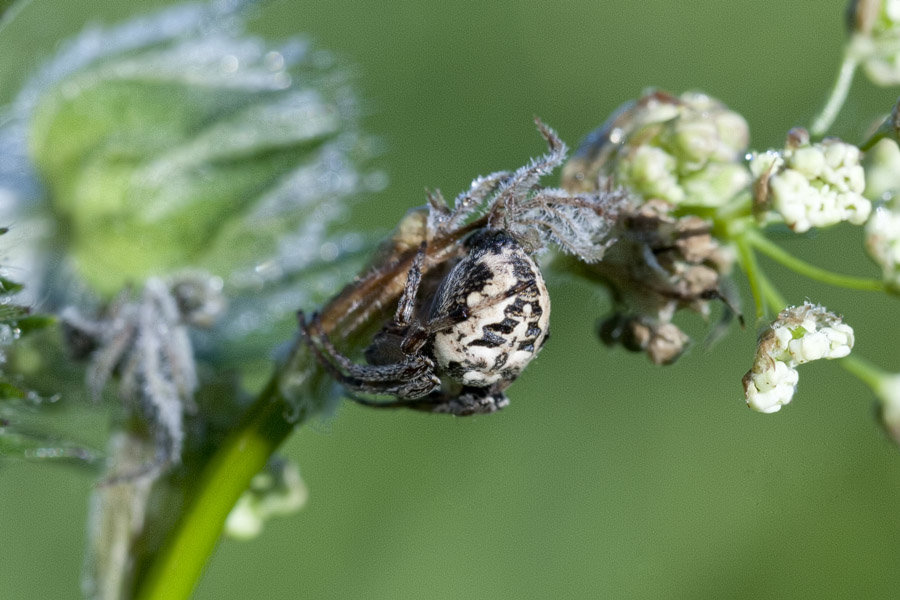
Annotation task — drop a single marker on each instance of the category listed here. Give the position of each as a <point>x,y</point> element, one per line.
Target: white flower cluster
<point>799,335</point>
<point>813,185</point>
<point>883,243</point>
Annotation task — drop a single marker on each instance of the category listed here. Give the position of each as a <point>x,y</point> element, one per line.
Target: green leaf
<point>201,152</point>
<point>35,322</point>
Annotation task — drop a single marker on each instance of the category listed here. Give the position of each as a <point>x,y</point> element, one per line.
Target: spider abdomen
<point>498,310</point>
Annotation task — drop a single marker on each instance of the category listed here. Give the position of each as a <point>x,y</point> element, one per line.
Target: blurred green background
<point>606,477</point>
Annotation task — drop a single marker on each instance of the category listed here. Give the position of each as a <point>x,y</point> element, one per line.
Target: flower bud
<point>684,150</point>
<point>882,166</point>
<point>888,392</point>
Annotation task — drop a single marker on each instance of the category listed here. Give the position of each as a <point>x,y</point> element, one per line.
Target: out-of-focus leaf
<point>177,141</point>
<point>34,322</point>
<point>9,287</point>
<point>202,151</point>
<point>5,5</point>
<point>12,313</point>
<point>8,390</point>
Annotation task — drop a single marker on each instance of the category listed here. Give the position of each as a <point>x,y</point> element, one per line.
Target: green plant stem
<point>839,92</point>
<point>776,253</point>
<point>773,297</point>
<point>754,275</point>
<point>179,565</point>
<point>865,371</point>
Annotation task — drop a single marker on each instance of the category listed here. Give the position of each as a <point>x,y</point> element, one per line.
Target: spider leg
<point>468,202</point>
<point>407,304</point>
<point>408,379</point>
<point>471,401</point>
<point>109,355</point>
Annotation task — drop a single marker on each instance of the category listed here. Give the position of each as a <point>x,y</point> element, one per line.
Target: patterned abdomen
<point>497,310</point>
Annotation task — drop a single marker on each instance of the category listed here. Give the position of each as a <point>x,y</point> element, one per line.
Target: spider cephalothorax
<point>458,351</point>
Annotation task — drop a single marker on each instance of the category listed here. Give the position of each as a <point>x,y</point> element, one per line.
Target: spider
<point>460,336</point>
<point>457,353</point>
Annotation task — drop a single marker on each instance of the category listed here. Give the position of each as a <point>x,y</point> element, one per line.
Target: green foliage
<point>155,163</point>
<point>25,433</point>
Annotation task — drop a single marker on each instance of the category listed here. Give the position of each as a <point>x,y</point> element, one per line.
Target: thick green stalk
<point>180,563</point>
<point>752,270</point>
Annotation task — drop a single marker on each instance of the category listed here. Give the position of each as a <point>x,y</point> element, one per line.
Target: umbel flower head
<point>799,335</point>
<point>811,185</point>
<point>667,152</point>
<point>684,150</point>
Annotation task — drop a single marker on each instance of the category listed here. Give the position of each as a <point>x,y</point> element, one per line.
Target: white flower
<point>799,335</point>
<point>813,185</point>
<point>883,243</point>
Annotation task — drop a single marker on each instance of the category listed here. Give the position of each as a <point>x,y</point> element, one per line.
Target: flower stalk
<point>759,242</point>
<point>839,91</point>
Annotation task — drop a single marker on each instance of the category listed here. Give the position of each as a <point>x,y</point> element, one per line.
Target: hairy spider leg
<point>407,303</point>
<point>472,401</point>
<point>410,379</point>
<point>108,356</point>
